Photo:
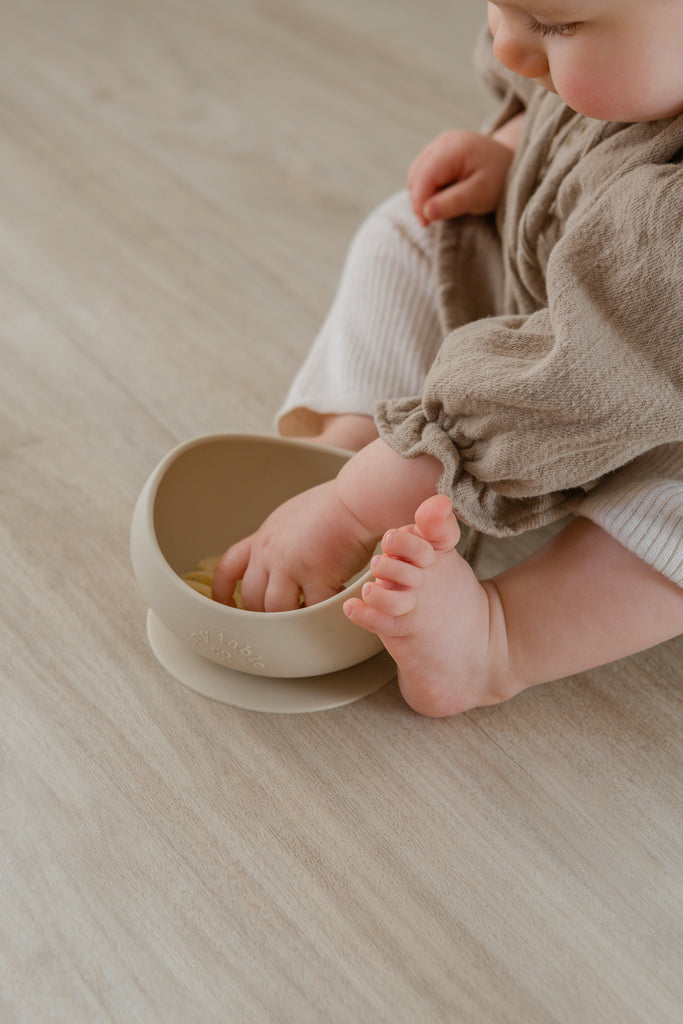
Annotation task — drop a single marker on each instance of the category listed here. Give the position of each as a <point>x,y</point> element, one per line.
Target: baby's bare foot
<point>432,615</point>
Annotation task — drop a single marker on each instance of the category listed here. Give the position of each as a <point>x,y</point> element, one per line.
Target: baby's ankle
<point>498,675</point>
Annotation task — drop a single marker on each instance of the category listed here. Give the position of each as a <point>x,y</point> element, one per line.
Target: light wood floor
<point>179,180</point>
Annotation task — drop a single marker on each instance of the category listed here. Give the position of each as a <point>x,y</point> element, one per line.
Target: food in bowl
<point>201,579</point>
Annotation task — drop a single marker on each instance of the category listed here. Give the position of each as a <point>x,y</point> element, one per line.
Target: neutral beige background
<point>178,182</point>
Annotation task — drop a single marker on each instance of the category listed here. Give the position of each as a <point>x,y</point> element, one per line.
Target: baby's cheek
<point>587,94</point>
<point>602,92</point>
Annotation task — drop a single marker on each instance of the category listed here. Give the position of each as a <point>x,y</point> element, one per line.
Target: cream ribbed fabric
<point>382,332</point>
<point>641,506</point>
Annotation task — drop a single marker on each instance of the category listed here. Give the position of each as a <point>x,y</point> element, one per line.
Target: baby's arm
<point>317,540</point>
<point>462,172</point>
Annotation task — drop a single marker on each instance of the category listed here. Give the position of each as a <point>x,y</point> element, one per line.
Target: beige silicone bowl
<point>205,495</point>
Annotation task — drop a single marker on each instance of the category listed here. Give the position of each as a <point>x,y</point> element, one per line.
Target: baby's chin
<point>546,82</point>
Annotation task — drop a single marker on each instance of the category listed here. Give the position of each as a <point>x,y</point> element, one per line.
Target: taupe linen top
<point>563,314</point>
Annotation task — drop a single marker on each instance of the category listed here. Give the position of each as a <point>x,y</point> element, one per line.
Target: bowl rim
<point>175,580</point>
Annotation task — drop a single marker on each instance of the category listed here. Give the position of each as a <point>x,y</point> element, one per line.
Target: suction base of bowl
<point>266,693</point>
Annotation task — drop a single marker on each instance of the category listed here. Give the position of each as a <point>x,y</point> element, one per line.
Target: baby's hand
<point>310,545</point>
<point>456,173</point>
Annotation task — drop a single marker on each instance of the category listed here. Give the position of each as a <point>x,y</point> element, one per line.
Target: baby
<point>541,368</point>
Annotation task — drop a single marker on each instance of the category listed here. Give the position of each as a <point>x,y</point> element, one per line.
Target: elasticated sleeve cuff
<point>406,428</point>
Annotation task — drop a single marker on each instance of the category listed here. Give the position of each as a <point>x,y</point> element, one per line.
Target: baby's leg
<point>380,336</point>
<point>346,430</point>
<point>432,615</point>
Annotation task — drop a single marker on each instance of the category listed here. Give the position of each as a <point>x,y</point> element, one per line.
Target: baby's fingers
<point>282,593</point>
<point>424,185</point>
<point>440,163</point>
<point>315,591</point>
<point>470,195</point>
<point>231,568</point>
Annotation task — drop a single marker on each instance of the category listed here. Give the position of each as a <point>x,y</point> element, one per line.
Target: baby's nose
<point>522,53</point>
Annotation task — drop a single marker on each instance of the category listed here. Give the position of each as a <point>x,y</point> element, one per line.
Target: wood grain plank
<point>179,183</point>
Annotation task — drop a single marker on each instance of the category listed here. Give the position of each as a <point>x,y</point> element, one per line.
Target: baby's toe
<point>409,547</point>
<point>437,524</point>
<point>396,571</point>
<point>389,601</point>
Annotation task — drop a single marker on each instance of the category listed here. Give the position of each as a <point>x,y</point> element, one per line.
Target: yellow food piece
<point>201,578</point>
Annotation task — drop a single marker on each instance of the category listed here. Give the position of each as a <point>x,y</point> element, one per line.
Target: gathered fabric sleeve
<point>527,412</point>
<point>641,506</point>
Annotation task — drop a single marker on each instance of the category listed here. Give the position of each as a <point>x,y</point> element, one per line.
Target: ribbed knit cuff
<point>641,506</point>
